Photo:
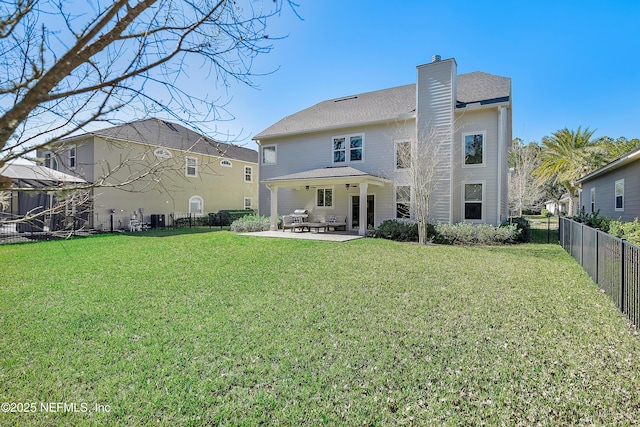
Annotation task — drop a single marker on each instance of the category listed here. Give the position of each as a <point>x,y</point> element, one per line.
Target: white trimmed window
<point>473,149</point>
<point>473,198</point>
<point>619,189</point>
<point>403,154</point>
<point>191,166</point>
<point>72,157</point>
<point>248,174</point>
<point>269,155</point>
<point>593,200</point>
<point>403,201</point>
<point>50,160</point>
<point>226,163</point>
<point>348,148</point>
<point>196,205</point>
<point>324,197</point>
<point>248,203</point>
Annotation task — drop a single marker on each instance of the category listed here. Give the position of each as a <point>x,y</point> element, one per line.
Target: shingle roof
<point>384,105</point>
<point>162,133</point>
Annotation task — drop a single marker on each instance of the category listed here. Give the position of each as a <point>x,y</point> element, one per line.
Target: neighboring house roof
<point>622,161</point>
<point>385,105</point>
<point>166,134</point>
<point>36,176</point>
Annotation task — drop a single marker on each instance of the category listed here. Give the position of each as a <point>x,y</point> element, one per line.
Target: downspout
<point>502,137</point>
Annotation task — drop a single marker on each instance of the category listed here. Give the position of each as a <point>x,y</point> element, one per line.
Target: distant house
<point>341,156</point>
<point>156,167</point>
<point>614,189</point>
<point>558,207</point>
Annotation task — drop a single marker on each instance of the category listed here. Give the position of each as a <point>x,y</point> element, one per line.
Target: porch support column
<point>274,207</point>
<point>362,231</point>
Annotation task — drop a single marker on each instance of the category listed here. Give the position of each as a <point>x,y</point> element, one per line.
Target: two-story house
<point>341,156</point>
<point>156,167</point>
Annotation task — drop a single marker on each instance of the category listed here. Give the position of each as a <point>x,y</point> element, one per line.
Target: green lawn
<point>543,229</point>
<point>215,328</point>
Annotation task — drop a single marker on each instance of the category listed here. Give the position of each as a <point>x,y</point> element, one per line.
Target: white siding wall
<point>313,151</point>
<point>437,84</point>
<point>481,121</point>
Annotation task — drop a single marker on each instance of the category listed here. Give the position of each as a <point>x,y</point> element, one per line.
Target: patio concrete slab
<point>328,237</point>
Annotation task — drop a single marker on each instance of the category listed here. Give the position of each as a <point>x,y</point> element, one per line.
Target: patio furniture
<point>336,222</point>
<point>288,221</point>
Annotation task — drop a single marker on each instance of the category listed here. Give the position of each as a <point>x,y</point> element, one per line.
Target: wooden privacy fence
<point>613,263</point>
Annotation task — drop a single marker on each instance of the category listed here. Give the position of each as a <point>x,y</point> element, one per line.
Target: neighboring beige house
<point>155,167</point>
<point>329,157</point>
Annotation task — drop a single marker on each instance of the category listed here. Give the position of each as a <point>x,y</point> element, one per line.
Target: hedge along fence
<point>222,218</point>
<point>451,234</point>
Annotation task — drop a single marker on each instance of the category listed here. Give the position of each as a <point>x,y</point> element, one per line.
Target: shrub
<point>546,212</point>
<point>251,223</point>
<point>524,229</point>
<point>400,231</point>
<point>593,220</point>
<point>626,230</point>
<point>191,221</point>
<point>464,233</point>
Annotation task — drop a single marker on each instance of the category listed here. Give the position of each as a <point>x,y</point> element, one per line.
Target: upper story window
<point>191,166</point>
<point>619,189</point>
<point>473,200</point>
<point>50,160</point>
<point>324,198</point>
<point>403,201</point>
<point>348,148</point>
<point>269,155</point>
<point>226,163</point>
<point>72,157</point>
<point>474,148</point>
<point>248,174</point>
<point>593,200</point>
<point>403,154</point>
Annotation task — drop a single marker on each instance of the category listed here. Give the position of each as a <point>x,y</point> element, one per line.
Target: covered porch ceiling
<point>339,175</point>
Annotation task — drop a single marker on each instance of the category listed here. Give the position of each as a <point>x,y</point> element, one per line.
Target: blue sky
<point>572,63</point>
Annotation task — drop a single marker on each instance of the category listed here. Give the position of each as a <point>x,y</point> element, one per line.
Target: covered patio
<point>322,179</point>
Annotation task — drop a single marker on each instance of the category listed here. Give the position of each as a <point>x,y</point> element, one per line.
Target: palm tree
<point>566,156</point>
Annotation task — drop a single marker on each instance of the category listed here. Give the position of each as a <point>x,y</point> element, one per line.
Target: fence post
<point>623,289</point>
<point>581,244</point>
<point>597,249</point>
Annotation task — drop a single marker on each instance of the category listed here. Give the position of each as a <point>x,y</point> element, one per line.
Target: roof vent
<point>345,99</point>
<point>436,58</point>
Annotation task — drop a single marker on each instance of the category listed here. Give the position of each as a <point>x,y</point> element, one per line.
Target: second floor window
<point>191,166</point>
<point>248,174</point>
<point>473,149</point>
<point>50,160</point>
<point>619,189</point>
<point>269,155</point>
<point>348,148</point>
<point>72,157</point>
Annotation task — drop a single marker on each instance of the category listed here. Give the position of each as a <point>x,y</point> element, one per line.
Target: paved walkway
<point>329,237</point>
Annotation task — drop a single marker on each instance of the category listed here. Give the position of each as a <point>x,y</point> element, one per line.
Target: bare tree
<point>421,157</point>
<point>66,64</point>
<point>524,189</point>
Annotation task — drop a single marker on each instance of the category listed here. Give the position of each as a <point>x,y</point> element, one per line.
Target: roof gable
<point>384,105</point>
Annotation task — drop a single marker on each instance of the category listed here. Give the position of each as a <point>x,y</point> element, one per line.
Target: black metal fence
<point>51,227</point>
<point>613,263</point>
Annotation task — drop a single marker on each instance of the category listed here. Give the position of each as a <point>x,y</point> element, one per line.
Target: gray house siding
<point>605,193</point>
